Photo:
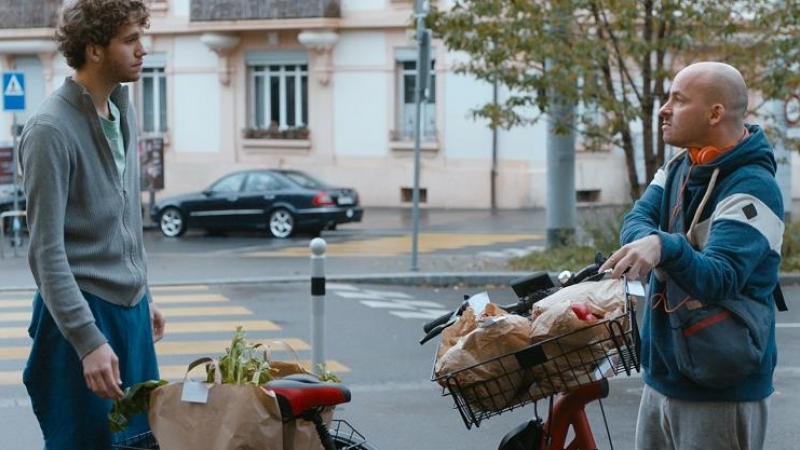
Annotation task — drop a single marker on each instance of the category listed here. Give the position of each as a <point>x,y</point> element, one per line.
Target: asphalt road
<point>208,284</point>
<point>371,341</point>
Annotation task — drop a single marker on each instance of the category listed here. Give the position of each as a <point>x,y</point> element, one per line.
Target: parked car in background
<point>278,200</point>
<point>7,204</point>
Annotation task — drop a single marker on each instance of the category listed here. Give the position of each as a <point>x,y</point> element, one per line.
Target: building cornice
<point>27,46</point>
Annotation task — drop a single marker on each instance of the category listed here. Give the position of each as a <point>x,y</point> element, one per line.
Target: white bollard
<point>318,247</point>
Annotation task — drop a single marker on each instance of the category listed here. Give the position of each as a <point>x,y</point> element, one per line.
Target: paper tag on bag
<point>194,392</point>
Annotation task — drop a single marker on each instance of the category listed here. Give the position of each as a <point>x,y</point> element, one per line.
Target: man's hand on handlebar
<point>634,259</point>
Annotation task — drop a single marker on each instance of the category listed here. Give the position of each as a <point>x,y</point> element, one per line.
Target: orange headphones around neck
<point>707,154</point>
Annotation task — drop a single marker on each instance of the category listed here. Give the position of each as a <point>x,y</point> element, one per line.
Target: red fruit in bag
<point>584,311</point>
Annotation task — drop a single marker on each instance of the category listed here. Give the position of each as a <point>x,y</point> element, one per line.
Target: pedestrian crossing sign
<point>13,91</point>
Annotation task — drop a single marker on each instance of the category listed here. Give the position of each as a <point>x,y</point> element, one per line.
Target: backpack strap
<point>780,302</point>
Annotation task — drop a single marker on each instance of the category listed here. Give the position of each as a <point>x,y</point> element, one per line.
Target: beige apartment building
<point>325,86</point>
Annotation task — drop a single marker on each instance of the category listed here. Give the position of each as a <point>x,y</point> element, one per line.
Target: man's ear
<point>94,53</point>
<point>717,113</point>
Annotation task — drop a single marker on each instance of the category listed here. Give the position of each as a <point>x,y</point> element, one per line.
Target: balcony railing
<point>214,10</point>
<point>29,13</point>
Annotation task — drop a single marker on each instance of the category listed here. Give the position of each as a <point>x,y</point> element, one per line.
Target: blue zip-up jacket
<point>737,243</point>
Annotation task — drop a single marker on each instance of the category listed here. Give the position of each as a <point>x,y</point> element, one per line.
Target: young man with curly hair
<point>94,325</point>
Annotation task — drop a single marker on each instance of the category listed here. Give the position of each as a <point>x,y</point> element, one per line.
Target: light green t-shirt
<point>113,133</point>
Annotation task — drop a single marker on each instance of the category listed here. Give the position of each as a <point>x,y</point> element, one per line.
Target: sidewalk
<point>222,259</point>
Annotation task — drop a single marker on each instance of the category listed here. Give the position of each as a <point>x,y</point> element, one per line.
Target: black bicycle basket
<point>601,350</point>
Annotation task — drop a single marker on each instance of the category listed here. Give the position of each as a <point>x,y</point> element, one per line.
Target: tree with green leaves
<point>614,59</point>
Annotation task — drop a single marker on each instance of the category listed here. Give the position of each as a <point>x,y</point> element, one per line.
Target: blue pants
<point>70,415</point>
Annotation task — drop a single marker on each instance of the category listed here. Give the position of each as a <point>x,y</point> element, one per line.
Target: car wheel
<point>172,222</point>
<point>281,223</point>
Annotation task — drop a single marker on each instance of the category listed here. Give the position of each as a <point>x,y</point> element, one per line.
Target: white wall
<point>195,97</point>
<point>362,5</point>
<point>359,84</point>
<point>196,102</point>
<point>180,7</point>
<point>191,54</point>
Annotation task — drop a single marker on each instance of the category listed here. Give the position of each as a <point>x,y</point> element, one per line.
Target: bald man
<point>709,230</point>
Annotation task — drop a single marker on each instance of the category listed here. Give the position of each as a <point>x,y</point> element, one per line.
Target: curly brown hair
<point>84,22</point>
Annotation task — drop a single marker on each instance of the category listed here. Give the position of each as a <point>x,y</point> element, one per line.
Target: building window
<point>407,113</point>
<point>154,100</point>
<point>280,95</point>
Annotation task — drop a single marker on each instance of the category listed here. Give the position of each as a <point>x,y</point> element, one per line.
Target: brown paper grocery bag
<point>489,380</point>
<point>280,369</point>
<point>301,434</point>
<point>233,417</point>
<point>298,434</point>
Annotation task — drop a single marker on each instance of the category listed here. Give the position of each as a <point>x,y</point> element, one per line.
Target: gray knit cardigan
<point>85,223</point>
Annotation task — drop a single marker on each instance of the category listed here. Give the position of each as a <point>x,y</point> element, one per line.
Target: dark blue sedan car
<point>278,200</point>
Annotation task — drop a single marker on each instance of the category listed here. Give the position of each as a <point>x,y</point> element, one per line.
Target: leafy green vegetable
<point>135,401</point>
<point>327,375</point>
<point>243,363</point>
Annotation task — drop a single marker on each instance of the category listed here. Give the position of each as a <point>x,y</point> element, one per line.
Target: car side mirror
<point>207,192</point>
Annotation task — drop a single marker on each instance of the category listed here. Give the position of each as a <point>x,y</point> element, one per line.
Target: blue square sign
<point>13,91</point>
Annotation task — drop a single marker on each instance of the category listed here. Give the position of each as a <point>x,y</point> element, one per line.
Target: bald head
<point>723,84</point>
<point>706,107</point>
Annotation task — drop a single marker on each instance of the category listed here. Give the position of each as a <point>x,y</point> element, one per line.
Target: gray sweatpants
<point>671,424</point>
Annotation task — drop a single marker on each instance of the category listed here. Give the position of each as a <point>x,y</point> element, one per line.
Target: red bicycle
<point>300,397</point>
<point>570,375</point>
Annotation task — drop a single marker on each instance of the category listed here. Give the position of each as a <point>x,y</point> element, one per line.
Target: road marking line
<point>169,373</point>
<point>13,332</point>
<point>359,294</point>
<point>161,300</point>
<point>184,287</point>
<point>175,328</point>
<point>416,314</point>
<point>788,325</point>
<point>388,294</point>
<point>395,245</point>
<point>169,312</point>
<point>169,348</point>
<point>15,303</point>
<point>203,311</point>
<point>217,347</point>
<point>24,292</point>
<point>422,303</point>
<point>15,317</point>
<point>341,287</point>
<point>207,327</point>
<point>385,305</point>
<point>190,298</point>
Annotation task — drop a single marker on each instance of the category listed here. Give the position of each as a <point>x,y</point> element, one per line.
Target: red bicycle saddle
<point>298,394</point>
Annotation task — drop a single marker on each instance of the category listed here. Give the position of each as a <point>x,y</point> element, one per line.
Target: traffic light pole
<point>423,75</point>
